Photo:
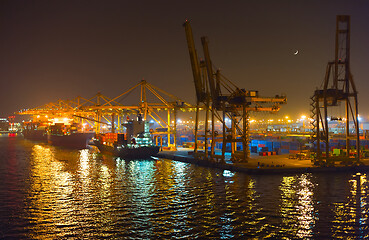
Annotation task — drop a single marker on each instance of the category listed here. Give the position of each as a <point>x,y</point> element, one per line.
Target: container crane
<point>223,100</point>
<point>109,112</point>
<point>342,89</point>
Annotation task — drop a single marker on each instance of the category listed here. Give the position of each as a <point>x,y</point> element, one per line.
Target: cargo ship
<point>135,143</point>
<point>69,136</point>
<point>35,131</point>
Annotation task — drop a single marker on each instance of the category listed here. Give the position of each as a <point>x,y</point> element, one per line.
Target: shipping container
<point>285,151</point>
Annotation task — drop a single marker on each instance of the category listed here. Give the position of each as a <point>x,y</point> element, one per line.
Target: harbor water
<point>48,192</point>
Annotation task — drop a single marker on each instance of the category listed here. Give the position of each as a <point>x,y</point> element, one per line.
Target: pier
<point>276,164</point>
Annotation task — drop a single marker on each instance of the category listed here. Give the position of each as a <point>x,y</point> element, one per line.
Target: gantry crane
<point>222,99</point>
<point>165,103</point>
<point>101,109</point>
<point>79,109</point>
<point>342,89</point>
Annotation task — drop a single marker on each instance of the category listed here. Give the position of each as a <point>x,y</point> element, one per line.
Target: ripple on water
<point>51,193</point>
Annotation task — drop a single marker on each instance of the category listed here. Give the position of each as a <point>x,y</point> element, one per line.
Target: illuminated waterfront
<point>54,193</point>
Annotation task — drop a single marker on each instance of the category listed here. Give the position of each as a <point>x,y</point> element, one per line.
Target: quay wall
<point>282,146</point>
<point>258,170</point>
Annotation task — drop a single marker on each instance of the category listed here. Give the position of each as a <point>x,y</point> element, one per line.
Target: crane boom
<point>200,91</point>
<point>209,69</point>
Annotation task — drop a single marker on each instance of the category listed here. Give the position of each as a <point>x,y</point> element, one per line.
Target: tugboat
<point>69,136</point>
<point>135,143</point>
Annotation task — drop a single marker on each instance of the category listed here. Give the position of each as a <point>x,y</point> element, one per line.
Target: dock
<point>275,164</point>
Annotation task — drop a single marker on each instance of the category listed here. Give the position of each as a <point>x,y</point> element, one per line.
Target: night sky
<point>54,50</point>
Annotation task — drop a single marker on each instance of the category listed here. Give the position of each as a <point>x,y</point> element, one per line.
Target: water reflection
<point>351,216</point>
<point>49,190</point>
<point>228,217</point>
<point>84,195</point>
<point>305,206</point>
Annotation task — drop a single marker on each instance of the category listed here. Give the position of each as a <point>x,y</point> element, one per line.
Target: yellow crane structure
<point>111,112</point>
<point>165,103</point>
<point>61,109</point>
<point>223,100</point>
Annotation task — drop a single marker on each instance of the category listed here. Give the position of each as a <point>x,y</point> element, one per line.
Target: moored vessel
<point>135,143</point>
<point>35,131</point>
<point>69,136</point>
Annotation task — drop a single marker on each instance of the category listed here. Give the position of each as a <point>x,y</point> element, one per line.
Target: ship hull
<point>74,141</point>
<point>138,152</point>
<point>35,135</point>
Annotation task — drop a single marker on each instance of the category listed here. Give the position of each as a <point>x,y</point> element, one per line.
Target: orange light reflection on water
<point>48,180</point>
<point>297,205</point>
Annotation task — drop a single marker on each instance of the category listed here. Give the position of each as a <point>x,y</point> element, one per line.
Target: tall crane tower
<point>339,87</point>
<point>223,101</point>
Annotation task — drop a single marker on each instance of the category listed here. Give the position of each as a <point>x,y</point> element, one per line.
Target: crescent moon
<point>297,51</point>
